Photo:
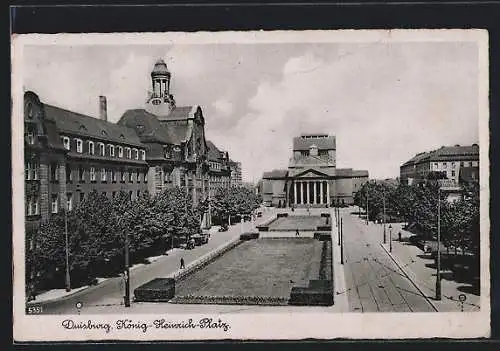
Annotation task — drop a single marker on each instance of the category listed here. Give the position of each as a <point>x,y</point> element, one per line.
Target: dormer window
<point>136,154</point>
<point>66,143</point>
<point>143,155</point>
<point>112,150</point>
<point>103,132</point>
<point>128,152</point>
<point>101,149</point>
<point>91,148</point>
<point>120,151</point>
<point>79,145</point>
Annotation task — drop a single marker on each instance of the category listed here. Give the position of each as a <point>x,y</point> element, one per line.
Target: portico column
<point>295,193</point>
<point>315,193</point>
<point>321,192</point>
<point>308,195</point>
<point>328,192</point>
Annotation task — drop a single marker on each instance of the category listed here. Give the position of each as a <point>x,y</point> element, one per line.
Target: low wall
<point>206,259</point>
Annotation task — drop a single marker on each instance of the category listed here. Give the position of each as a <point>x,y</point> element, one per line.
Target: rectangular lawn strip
<point>266,267</point>
<point>297,222</point>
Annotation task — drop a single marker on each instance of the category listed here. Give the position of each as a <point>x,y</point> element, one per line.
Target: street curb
<point>98,285</point>
<point>400,266</point>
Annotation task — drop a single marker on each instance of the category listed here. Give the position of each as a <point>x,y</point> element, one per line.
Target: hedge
<point>156,290</point>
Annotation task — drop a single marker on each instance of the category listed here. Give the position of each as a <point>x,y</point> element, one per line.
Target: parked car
<point>223,228</point>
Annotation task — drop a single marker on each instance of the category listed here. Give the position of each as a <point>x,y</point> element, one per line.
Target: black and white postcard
<point>251,185</point>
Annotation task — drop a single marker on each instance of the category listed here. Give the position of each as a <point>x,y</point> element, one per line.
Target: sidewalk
<point>110,291</point>
<point>420,269</point>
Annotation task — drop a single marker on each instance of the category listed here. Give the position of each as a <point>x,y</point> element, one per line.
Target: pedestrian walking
<point>297,232</point>
<point>399,236</point>
<point>182,263</point>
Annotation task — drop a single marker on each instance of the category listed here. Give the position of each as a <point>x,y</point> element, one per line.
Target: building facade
<point>312,178</point>
<point>68,155</point>
<point>449,162</point>
<point>236,177</point>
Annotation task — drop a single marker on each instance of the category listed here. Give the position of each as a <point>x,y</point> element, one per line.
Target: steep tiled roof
<point>179,112</point>
<point>276,173</point>
<point>154,130</point>
<point>79,124</point>
<point>446,153</point>
<point>323,143</point>
<point>360,173</point>
<point>213,153</point>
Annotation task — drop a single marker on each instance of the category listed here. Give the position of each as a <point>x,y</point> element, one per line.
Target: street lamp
<point>341,241</point>
<point>383,200</point>
<point>366,206</point>
<point>127,270</point>
<point>438,268</point>
<point>68,278</point>
<point>390,238</point>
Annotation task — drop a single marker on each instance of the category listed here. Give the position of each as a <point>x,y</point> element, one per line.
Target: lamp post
<point>367,207</point>
<point>390,237</point>
<point>68,278</point>
<point>383,200</point>
<point>341,242</point>
<point>127,270</point>
<point>438,268</point>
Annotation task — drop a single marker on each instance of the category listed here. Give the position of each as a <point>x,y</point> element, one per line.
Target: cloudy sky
<point>384,102</point>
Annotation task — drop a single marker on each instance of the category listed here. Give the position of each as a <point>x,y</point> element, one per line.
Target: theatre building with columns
<point>312,178</point>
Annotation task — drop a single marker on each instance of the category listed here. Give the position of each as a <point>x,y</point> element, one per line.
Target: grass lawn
<point>267,267</point>
<point>292,223</point>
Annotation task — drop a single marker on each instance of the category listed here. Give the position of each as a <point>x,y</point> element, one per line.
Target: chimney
<point>103,108</point>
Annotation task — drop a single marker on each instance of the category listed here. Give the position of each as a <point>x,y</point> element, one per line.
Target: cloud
<point>223,107</point>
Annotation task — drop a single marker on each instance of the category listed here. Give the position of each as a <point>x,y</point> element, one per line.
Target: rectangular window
<point>130,176</point>
<point>122,177</point>
<point>104,194</point>
<point>136,154</point>
<point>92,174</point>
<point>120,151</point>
<point>82,196</point>
<point>452,173</point>
<point>69,201</point>
<point>453,165</point>
<point>54,174</point>
<point>103,174</point>
<point>143,155</point>
<point>436,165</point>
<point>444,164</point>
<point>145,177</point>
<point>112,150</point>
<point>66,143</point>
<point>79,145</point>
<point>81,174</point>
<point>91,148</point>
<point>138,194</point>
<point>101,149</point>
<point>28,174</point>
<point>113,194</point>
<point>474,164</point>
<point>69,174</point>
<point>462,164</point>
<point>54,204</point>
<point>113,175</point>
<point>128,153</point>
<point>36,205</point>
<point>130,195</point>
<point>137,176</point>
<point>31,138</point>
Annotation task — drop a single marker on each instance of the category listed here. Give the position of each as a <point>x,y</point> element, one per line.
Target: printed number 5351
<point>34,309</point>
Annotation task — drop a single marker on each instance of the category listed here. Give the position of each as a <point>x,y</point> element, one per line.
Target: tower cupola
<point>160,79</point>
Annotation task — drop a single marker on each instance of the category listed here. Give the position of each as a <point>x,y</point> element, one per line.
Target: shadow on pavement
<point>469,289</point>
